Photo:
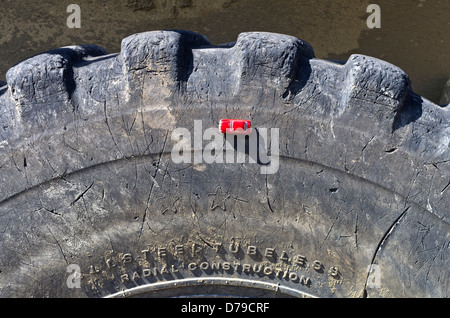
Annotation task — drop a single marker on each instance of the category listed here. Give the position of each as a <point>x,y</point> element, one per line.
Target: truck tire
<point>348,197</point>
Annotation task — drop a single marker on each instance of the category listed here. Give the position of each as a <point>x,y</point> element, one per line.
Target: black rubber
<point>358,206</point>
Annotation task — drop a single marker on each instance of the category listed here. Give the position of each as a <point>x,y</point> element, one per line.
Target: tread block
<point>271,56</point>
<point>377,81</point>
<point>161,52</point>
<point>45,79</point>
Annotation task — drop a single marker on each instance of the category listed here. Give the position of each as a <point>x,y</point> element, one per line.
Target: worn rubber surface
<point>87,176</point>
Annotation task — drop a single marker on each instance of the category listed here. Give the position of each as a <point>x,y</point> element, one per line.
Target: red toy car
<point>235,126</point>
